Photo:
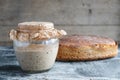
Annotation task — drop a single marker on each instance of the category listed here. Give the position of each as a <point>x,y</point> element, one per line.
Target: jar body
<point>36,55</point>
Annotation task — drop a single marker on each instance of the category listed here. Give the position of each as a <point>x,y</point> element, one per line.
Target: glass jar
<point>36,56</point>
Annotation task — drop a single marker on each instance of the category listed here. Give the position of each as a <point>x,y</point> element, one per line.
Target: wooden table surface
<point>108,69</point>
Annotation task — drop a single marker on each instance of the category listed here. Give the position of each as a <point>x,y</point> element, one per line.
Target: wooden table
<point>108,69</point>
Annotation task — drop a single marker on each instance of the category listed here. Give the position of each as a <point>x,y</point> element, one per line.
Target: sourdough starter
<point>37,57</point>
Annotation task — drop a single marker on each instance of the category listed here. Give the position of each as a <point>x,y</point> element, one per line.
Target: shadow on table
<point>12,70</point>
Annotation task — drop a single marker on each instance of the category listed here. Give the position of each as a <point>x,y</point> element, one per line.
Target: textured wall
<point>100,17</point>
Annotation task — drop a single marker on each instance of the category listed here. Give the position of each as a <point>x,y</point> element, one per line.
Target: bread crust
<point>83,48</point>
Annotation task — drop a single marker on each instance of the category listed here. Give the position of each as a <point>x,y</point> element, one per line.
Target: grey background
<point>98,17</point>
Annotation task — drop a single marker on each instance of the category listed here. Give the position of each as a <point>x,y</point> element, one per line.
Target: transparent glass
<point>36,55</point>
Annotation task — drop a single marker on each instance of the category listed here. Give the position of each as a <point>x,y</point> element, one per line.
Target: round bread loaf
<point>89,47</point>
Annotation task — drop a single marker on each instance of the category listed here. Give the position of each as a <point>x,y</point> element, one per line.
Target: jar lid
<point>35,31</point>
<point>35,25</point>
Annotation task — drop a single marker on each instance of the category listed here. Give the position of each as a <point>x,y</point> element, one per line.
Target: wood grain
<point>98,17</point>
<point>61,12</point>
